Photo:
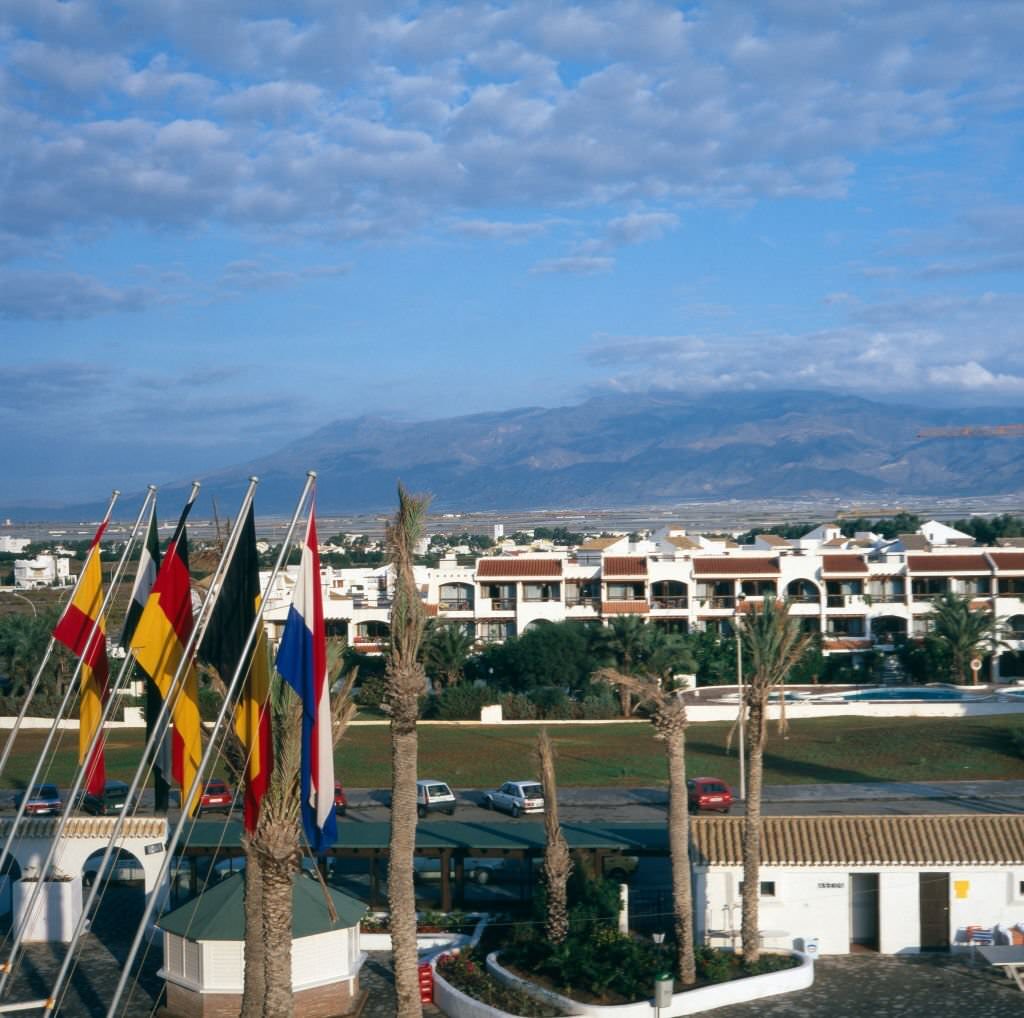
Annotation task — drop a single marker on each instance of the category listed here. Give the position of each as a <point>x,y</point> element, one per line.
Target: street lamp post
<point>743,715</point>
<point>663,981</point>
<point>28,601</point>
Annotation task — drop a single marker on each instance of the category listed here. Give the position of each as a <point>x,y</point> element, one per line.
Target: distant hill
<point>636,449</point>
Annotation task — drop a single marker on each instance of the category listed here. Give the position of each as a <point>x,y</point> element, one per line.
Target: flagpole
<point>207,753</point>
<point>51,734</point>
<point>20,927</point>
<point>23,712</point>
<point>133,790</point>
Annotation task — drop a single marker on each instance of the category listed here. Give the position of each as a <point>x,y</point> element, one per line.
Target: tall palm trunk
<point>557,861</point>
<point>401,890</point>
<point>750,924</point>
<point>277,917</point>
<point>406,680</point>
<point>255,980</point>
<point>679,849</point>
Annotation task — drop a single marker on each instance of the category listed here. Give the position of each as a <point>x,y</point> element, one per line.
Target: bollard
<point>426,983</point>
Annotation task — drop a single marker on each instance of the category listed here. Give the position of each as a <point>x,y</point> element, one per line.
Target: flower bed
<point>733,991</point>
<point>434,931</point>
<point>462,986</point>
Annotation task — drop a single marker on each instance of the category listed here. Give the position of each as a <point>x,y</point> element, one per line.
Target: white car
<point>433,795</point>
<point>516,797</point>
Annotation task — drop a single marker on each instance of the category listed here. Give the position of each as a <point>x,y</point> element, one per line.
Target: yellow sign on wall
<point>961,887</point>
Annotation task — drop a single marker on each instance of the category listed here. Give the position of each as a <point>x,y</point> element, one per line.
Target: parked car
<point>516,797</point>
<point>42,801</point>
<point>340,799</point>
<point>217,797</point>
<point>111,800</point>
<point>479,870</point>
<point>433,795</point>
<point>711,794</point>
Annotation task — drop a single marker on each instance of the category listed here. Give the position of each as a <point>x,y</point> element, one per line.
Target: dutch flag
<point>302,662</point>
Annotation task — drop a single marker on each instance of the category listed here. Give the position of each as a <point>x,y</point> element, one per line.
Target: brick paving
<point>884,986</point>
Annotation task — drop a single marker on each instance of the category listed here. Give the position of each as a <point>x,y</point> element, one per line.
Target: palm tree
<point>623,644</point>
<point>668,716</point>
<point>557,861</point>
<point>273,852</point>
<point>445,650</point>
<point>406,680</point>
<point>967,633</point>
<point>773,644</point>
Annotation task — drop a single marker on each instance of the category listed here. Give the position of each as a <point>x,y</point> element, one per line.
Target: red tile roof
<point>514,568</point>
<point>961,840</point>
<point>1008,561</point>
<point>622,565</point>
<point>624,607</point>
<point>946,564</point>
<point>736,567</point>
<point>843,565</point>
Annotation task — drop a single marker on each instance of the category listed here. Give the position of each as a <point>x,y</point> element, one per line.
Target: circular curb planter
<point>428,943</point>
<point>736,991</point>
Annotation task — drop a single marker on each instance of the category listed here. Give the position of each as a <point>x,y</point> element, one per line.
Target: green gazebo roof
<point>219,912</point>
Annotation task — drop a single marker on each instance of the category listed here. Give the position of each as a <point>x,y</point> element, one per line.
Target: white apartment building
<point>42,571</point>
<point>14,545</point>
<point>860,594</point>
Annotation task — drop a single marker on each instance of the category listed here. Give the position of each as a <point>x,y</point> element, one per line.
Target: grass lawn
<point>826,750</point>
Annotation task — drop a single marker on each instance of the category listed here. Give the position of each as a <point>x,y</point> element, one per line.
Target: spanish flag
<point>81,630</point>
<point>237,608</point>
<point>158,644</point>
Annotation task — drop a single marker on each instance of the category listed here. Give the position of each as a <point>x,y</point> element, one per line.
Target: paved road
<point>649,804</point>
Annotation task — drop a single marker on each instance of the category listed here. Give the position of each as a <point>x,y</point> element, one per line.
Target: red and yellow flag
<point>81,629</point>
<point>159,643</point>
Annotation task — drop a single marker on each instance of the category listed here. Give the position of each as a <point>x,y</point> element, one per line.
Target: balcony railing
<point>805,599</point>
<point>455,605</point>
<point>503,604</point>
<point>718,601</point>
<point>843,600</point>
<point>585,601</point>
<point>669,602</point>
<point>542,600</point>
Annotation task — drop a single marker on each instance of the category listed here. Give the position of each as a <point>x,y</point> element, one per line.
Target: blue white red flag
<point>302,662</point>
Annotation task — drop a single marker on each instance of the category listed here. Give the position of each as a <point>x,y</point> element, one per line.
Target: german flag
<point>159,643</point>
<point>81,629</point>
<point>237,608</point>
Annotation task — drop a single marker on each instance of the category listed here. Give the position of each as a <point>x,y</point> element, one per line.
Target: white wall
<point>815,902</point>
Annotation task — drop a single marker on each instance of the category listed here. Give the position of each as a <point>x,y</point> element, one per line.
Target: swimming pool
<point>930,694</point>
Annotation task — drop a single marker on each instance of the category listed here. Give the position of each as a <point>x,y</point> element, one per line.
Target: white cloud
<point>971,375</point>
<point>574,265</point>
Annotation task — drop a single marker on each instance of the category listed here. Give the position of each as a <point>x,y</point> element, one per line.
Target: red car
<point>709,794</point>
<point>340,802</point>
<point>217,797</point>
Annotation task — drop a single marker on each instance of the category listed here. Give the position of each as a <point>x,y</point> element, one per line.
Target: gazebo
<point>204,951</point>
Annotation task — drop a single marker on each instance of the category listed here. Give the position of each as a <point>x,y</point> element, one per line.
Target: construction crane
<point>975,431</point>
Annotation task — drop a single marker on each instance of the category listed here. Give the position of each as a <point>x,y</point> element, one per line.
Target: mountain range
<point>622,450</point>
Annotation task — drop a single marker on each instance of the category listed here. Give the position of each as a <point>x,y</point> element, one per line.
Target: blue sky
<point>225,223</point>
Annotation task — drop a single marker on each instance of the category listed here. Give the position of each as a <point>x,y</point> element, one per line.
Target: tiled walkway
<point>882,986</point>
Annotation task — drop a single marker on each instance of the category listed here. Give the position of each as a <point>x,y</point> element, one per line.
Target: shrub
<point>1017,736</point>
<point>463,702</point>
<point>518,707</point>
<point>599,707</point>
<point>551,702</point>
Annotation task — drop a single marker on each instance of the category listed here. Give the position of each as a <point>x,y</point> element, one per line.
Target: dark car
<point>42,801</point>
<point>111,801</point>
<point>708,794</point>
<point>217,797</point>
<point>340,800</point>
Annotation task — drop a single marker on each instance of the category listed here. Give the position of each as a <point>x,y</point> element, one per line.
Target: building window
<point>540,592</point>
<point>767,888</point>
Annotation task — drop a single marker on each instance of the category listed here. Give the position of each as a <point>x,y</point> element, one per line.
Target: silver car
<point>516,797</point>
